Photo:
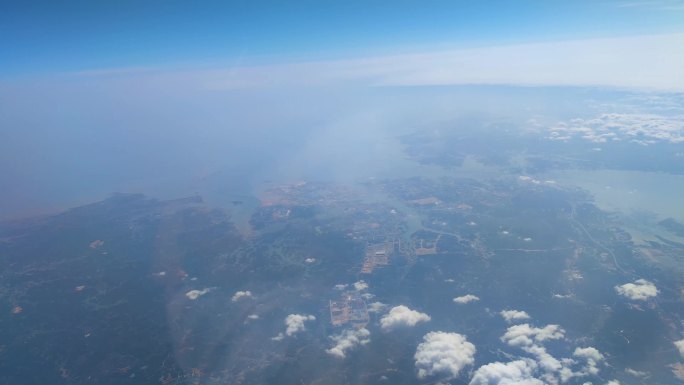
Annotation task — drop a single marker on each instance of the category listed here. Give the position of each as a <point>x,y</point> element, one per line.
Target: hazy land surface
<point>492,204</point>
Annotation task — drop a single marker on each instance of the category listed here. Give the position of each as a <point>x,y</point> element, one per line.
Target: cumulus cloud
<point>340,286</point>
<point>376,307</point>
<point>279,337</point>
<point>588,353</point>
<point>360,285</point>
<point>613,382</point>
<point>640,290</point>
<point>680,346</point>
<point>194,294</point>
<point>466,298</point>
<point>592,357</point>
<point>525,335</point>
<point>241,294</point>
<point>551,369</point>
<point>443,354</point>
<point>546,361</point>
<point>253,316</point>
<point>528,338</point>
<point>514,315</point>
<point>402,316</point>
<point>520,372</point>
<point>295,323</point>
<point>347,340</point>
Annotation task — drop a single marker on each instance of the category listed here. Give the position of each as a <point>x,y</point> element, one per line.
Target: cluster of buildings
<point>377,255</point>
<point>350,308</point>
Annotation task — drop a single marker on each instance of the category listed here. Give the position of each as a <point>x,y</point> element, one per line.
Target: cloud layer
<point>649,61</point>
<point>640,128</point>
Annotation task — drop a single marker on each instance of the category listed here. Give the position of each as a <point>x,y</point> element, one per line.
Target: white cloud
<point>340,286</point>
<point>545,360</point>
<point>360,285</point>
<point>636,373</point>
<point>677,370</point>
<point>443,354</point>
<point>639,128</point>
<point>348,340</point>
<point>402,316</point>
<point>613,382</point>
<point>253,316</point>
<point>648,61</point>
<point>592,357</point>
<point>520,372</point>
<point>194,294</point>
<point>529,179</point>
<point>514,315</point>
<point>525,335</point>
<point>295,323</point>
<point>554,370</point>
<point>466,298</point>
<point>310,260</point>
<point>588,353</point>
<point>376,307</point>
<point>640,290</point>
<point>241,294</point>
<point>279,337</point>
<point>680,346</point>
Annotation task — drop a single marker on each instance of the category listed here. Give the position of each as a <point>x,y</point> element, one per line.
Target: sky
<point>153,96</point>
<point>47,37</point>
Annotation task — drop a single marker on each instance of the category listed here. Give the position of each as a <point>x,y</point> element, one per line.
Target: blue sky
<point>38,37</point>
